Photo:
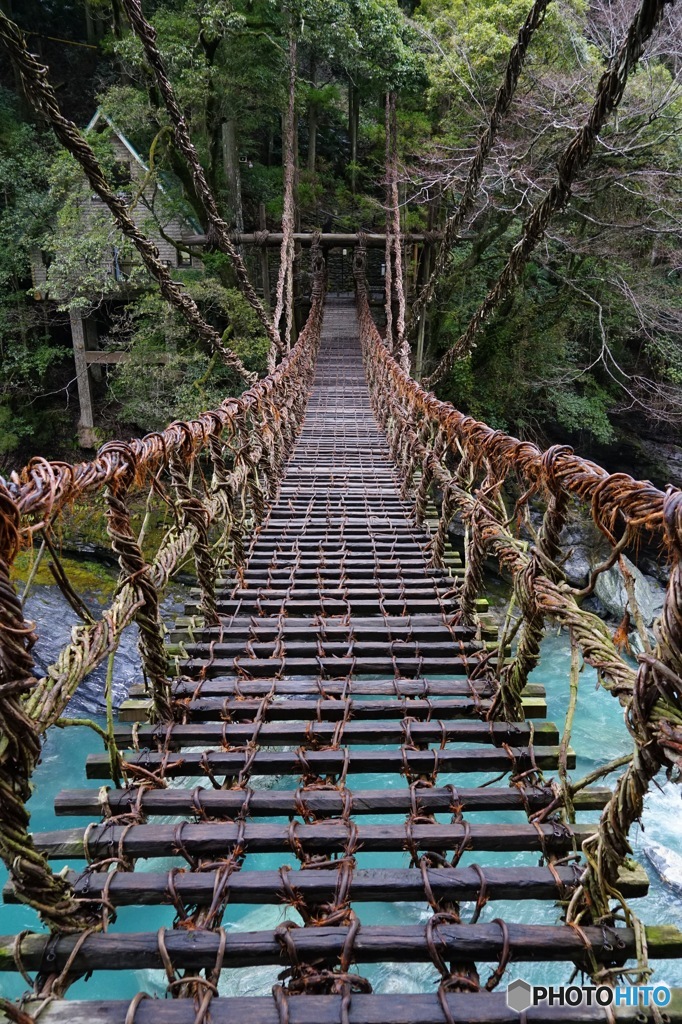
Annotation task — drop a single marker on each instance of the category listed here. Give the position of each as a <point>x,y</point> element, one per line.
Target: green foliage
<point>26,353</point>
<point>587,411</point>
<point>471,40</point>
<point>606,280</point>
<point>152,393</point>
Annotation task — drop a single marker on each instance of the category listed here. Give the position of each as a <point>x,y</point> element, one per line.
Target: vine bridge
<point>336,635</point>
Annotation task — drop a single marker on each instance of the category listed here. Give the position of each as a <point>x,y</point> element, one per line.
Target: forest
<point>346,116</point>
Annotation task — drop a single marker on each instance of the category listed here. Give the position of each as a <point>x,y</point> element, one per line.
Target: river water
<point>599,736</point>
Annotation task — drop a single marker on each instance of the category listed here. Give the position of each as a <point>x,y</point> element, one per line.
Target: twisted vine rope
<point>503,101</point>
<point>574,158</point>
<point>34,77</point>
<point>394,280</point>
<point>20,747</point>
<point>218,229</point>
<point>285,279</point>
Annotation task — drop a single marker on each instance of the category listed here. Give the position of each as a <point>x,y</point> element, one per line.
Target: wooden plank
<point>464,1008</point>
<point>399,624</point>
<point>212,708</point>
<point>327,239</point>
<point>334,668</point>
<point>100,357</point>
<point>365,561</point>
<point>326,762</point>
<point>338,649</point>
<point>305,629</point>
<point>227,803</point>
<point>270,734</point>
<point>417,687</point>
<point>216,838</point>
<point>317,605</point>
<point>373,944</point>
<point>149,888</point>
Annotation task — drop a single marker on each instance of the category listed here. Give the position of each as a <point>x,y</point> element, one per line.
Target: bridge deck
<point>334,658</point>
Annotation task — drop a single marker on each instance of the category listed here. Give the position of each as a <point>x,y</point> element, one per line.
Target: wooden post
<point>91,345</point>
<point>419,366</point>
<point>264,263</point>
<point>86,422</point>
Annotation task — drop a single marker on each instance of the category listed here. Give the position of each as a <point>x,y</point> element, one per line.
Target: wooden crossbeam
<point>197,950</point>
<point>149,888</point>
<point>463,1008</point>
<point>227,803</point>
<point>543,734</point>
<point>326,762</point>
<point>217,838</point>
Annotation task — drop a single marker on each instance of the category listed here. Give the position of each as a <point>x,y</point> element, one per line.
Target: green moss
<point>83,526</point>
<point>84,576</point>
<point>80,533</point>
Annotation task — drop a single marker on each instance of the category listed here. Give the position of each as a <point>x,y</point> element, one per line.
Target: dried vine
<point>262,426</point>
<point>401,346</point>
<point>574,158</point>
<point>218,229</point>
<point>42,97</point>
<point>624,509</point>
<point>284,303</point>
<point>503,101</point>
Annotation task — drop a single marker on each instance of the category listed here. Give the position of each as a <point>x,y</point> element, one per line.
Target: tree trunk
<point>118,22</point>
<point>232,175</point>
<point>388,257</point>
<point>285,280</point>
<point>353,122</point>
<point>90,24</point>
<point>264,262</point>
<point>312,122</point>
<point>401,346</point>
<point>426,274</point>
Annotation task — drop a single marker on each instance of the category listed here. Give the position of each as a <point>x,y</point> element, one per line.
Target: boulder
<point>586,547</point>
<point>649,593</point>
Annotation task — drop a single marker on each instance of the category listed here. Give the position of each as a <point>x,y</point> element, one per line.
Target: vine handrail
<point>433,444</point>
<point>255,433</point>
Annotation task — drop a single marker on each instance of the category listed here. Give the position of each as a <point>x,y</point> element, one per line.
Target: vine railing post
<point>194,513</point>
<point>543,559</point>
<point>136,571</point>
<point>475,547</point>
<point>431,459</point>
<point>20,747</point>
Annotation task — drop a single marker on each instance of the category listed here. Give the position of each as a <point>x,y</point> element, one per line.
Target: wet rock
<point>593,604</point>
<point>649,593</point>
<point>586,548</point>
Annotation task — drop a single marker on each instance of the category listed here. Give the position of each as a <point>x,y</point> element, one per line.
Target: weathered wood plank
<point>326,762</point>
<point>216,838</point>
<point>334,668</point>
<point>373,944</point>
<point>367,885</point>
<point>271,802</point>
<point>443,686</point>
<point>270,734</point>
<point>342,648</point>
<point>464,1008</point>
